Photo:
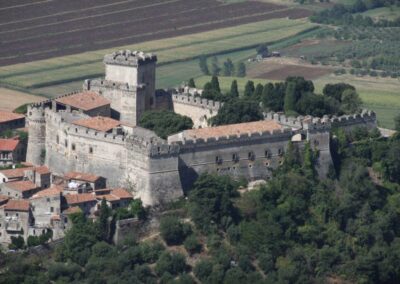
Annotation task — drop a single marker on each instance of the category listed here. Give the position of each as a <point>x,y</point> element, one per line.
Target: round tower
<point>36,122</point>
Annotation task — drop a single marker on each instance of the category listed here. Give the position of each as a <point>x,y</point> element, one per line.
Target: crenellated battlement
<point>102,83</point>
<point>366,116</point>
<point>275,135</point>
<point>129,58</point>
<point>196,101</point>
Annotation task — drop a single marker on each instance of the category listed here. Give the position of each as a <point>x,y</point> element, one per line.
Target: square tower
<point>129,84</point>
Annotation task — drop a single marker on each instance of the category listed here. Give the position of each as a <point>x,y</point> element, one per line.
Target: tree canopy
<point>165,123</point>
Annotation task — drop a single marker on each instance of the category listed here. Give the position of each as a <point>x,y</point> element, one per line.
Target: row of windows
<point>73,145</point>
<point>250,156</point>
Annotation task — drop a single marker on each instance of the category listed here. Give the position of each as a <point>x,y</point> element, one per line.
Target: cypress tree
<point>234,89</point>
<point>241,70</point>
<point>308,167</point>
<point>290,98</point>
<point>215,84</point>
<point>258,92</point>
<point>215,69</point>
<point>191,83</point>
<point>249,89</point>
<point>203,65</point>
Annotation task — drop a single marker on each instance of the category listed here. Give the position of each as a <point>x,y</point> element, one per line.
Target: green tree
<point>192,244</point>
<point>309,161</point>
<point>215,69</point>
<point>234,89</point>
<point>249,89</point>
<point>165,123</point>
<point>173,231</point>
<point>103,224</point>
<point>397,123</point>
<point>17,242</point>
<point>290,98</point>
<point>174,264</point>
<point>238,111</point>
<point>203,269</point>
<point>351,102</point>
<point>215,84</point>
<point>228,68</point>
<point>258,92</point>
<point>137,209</point>
<point>241,69</point>
<point>336,90</point>
<point>191,83</point>
<point>262,49</point>
<point>203,65</point>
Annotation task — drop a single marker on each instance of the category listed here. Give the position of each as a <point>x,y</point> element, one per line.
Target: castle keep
<point>95,131</point>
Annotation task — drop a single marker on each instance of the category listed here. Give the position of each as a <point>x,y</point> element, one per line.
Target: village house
<point>115,198</point>
<point>10,121</point>
<point>83,182</point>
<point>85,201</point>
<point>11,151</point>
<point>15,219</point>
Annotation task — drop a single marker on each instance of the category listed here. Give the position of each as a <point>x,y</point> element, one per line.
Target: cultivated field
<point>281,68</point>
<point>40,76</point>
<point>33,30</point>
<point>10,99</point>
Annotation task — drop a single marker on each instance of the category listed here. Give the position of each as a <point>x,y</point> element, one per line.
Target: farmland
<point>37,30</point>
<point>39,76</point>
<point>11,99</point>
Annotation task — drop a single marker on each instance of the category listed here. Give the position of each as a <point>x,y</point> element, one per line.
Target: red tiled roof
<point>99,123</point>
<point>108,197</point>
<point>42,170</point>
<point>3,198</point>
<point>6,116</point>
<point>55,218</point>
<point>84,101</point>
<point>15,173</point>
<point>17,205</point>
<point>53,190</point>
<point>23,185</point>
<point>82,176</point>
<point>8,144</point>
<point>79,198</point>
<point>122,193</point>
<point>233,129</point>
<point>72,209</point>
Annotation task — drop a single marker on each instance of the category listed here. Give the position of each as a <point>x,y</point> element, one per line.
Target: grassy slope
<point>388,13</point>
<point>378,94</point>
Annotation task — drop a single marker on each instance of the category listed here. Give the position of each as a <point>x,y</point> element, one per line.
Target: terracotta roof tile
<point>122,193</point>
<point>53,190</point>
<point>17,205</point>
<point>15,173</point>
<point>72,209</point>
<point>233,129</point>
<point>108,197</point>
<point>42,170</point>
<point>82,176</point>
<point>99,123</point>
<point>8,144</point>
<point>23,185</point>
<point>84,101</point>
<point>6,116</point>
<point>73,199</point>
<point>3,198</point>
<point>56,217</point>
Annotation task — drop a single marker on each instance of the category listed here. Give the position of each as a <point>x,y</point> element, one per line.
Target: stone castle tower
<point>129,84</point>
<point>37,134</point>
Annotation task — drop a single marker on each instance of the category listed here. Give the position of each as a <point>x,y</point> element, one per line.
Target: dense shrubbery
<point>165,123</point>
<point>294,96</point>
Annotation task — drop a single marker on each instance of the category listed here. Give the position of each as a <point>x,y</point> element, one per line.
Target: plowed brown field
<point>37,29</point>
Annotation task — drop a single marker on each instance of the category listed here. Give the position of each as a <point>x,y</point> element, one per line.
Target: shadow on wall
<point>187,176</point>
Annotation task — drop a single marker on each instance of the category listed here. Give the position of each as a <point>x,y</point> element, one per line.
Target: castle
<point>96,131</point>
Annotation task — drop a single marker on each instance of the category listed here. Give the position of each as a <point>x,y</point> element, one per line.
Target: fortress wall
<point>198,109</point>
<point>348,122</point>
<point>153,170</point>
<point>108,158</point>
<point>256,155</point>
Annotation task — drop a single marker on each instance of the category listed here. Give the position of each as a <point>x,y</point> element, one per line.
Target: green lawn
<point>388,13</point>
<point>379,95</point>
